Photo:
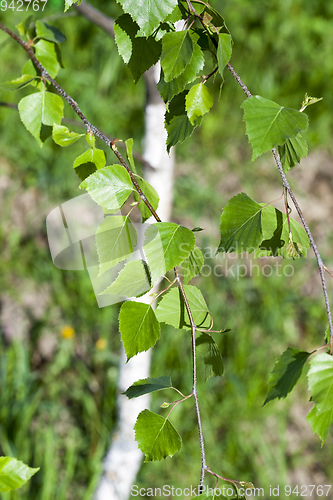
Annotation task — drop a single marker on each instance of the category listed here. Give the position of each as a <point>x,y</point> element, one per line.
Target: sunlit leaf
<point>248,226</point>
<point>115,241</point>
<point>151,195</point>
<point>139,327</point>
<point>109,187</point>
<point>147,385</point>
<point>40,108</point>
<point>132,281</point>
<point>287,371</point>
<point>50,33</point>
<point>172,311</point>
<point>166,245</point>
<point>156,436</point>
<point>63,137</point>
<point>292,151</point>
<point>14,474</point>
<point>320,378</point>
<point>19,83</point>
<point>148,13</point>
<point>199,100</point>
<point>224,51</point>
<point>191,266</point>
<point>47,55</point>
<point>268,124</point>
<point>177,49</point>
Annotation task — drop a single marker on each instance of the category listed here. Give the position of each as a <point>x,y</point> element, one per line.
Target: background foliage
<point>57,388</point>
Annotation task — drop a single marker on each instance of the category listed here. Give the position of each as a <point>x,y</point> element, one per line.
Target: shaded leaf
<point>115,241</point>
<point>177,123</point>
<point>292,151</point>
<point>208,349</point>
<point>148,13</point>
<point>147,385</point>
<point>199,100</point>
<point>177,49</point>
<point>172,311</point>
<point>139,327</point>
<point>268,124</point>
<point>23,27</point>
<point>132,281</point>
<point>93,156</point>
<point>63,137</point>
<point>156,436</point>
<point>287,371</point>
<point>40,108</point>
<point>320,379</point>
<point>151,195</point>
<point>109,187</point>
<point>166,246</point>
<point>14,474</point>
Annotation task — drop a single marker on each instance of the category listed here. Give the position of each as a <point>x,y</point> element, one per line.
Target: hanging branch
<point>112,146</point>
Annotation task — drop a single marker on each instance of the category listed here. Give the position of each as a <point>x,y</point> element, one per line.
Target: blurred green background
<point>58,379</point>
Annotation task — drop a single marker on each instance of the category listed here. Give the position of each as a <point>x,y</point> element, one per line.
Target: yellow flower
<point>67,332</point>
<point>101,344</point>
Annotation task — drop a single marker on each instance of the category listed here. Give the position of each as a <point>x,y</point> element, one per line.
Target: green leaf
<point>247,226</point>
<point>63,137</point>
<point>287,371</point>
<point>177,49</point>
<point>168,90</point>
<point>132,281</point>
<point>140,53</point>
<point>156,436</point>
<point>129,152</point>
<point>147,385</point>
<point>68,3</point>
<point>171,309</point>
<point>14,474</point>
<point>177,123</point>
<point>208,349</point>
<point>23,27</point>
<point>320,379</point>
<point>115,241</point>
<point>148,13</point>
<point>90,138</point>
<point>224,51</point>
<point>109,187</point>
<point>199,100</point>
<point>124,30</point>
<point>47,32</point>
<point>138,327</point>
<point>292,151</point>
<point>151,196</point>
<point>40,108</point>
<point>47,55</point>
<point>268,124</point>
<point>166,246</point>
<point>191,266</point>
<point>145,53</point>
<point>19,83</point>
<point>276,231</point>
<point>92,159</point>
